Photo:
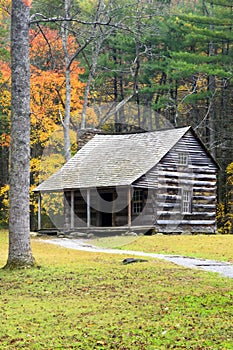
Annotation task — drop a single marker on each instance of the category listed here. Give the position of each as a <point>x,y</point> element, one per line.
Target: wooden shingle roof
<point>113,160</point>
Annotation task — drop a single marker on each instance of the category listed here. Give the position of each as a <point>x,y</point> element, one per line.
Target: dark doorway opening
<point>106,217</point>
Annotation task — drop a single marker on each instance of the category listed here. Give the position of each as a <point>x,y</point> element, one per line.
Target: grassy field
<point>79,300</point>
<point>217,247</point>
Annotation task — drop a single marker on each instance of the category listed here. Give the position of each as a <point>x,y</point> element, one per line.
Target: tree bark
<point>99,38</point>
<point>211,89</point>
<point>20,254</point>
<point>66,122</point>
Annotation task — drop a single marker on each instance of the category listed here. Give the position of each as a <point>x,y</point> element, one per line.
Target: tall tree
<point>129,61</point>
<point>66,121</point>
<point>20,253</point>
<point>205,64</point>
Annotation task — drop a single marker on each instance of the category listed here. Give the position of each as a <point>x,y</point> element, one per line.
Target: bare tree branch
<point>115,110</point>
<point>44,19</point>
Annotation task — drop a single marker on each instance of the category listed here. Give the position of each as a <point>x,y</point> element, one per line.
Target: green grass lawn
<point>80,300</point>
<point>217,247</point>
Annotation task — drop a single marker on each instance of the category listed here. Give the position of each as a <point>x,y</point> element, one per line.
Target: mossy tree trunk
<point>20,253</point>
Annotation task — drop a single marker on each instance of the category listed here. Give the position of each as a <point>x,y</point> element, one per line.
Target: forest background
<point>150,64</point>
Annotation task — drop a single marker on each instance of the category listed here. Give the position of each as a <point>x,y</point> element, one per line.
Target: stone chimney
<point>85,135</point>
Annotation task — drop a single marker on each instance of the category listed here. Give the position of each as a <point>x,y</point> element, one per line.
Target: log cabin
<point>163,181</point>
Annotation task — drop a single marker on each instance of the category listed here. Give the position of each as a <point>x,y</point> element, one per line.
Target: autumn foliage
<point>48,83</point>
<point>27,3</point>
<point>47,92</point>
<point>5,82</point>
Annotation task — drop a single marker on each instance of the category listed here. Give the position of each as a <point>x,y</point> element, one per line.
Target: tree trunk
<point>98,41</point>
<point>211,89</point>
<point>20,254</point>
<point>66,122</point>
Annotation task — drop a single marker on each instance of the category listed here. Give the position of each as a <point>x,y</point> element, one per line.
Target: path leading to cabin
<point>223,268</point>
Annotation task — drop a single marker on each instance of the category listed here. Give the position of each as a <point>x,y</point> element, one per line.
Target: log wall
<point>170,179</point>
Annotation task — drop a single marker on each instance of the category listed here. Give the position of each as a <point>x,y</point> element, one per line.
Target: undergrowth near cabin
<point>80,300</point>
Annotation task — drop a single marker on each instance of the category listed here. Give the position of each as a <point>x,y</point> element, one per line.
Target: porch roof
<point>113,160</point>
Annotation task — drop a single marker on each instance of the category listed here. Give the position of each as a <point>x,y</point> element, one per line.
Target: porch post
<point>129,208</point>
<point>88,208</point>
<point>72,210</point>
<point>39,211</point>
<point>66,212</point>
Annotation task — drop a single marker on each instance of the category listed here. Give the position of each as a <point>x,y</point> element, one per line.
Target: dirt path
<point>223,268</point>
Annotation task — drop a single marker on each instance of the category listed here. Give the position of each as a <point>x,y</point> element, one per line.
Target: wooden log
<point>39,211</point>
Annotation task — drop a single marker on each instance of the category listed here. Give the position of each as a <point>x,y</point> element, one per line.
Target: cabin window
<point>183,158</point>
<point>186,201</point>
<point>137,201</point>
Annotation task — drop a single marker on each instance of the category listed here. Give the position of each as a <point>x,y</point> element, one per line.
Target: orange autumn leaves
<point>47,50</point>
<point>48,83</point>
<point>27,3</point>
<point>5,97</point>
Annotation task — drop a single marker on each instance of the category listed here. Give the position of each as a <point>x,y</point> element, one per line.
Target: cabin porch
<point>101,210</point>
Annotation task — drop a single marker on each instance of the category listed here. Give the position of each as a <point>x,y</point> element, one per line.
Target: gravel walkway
<point>223,268</point>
